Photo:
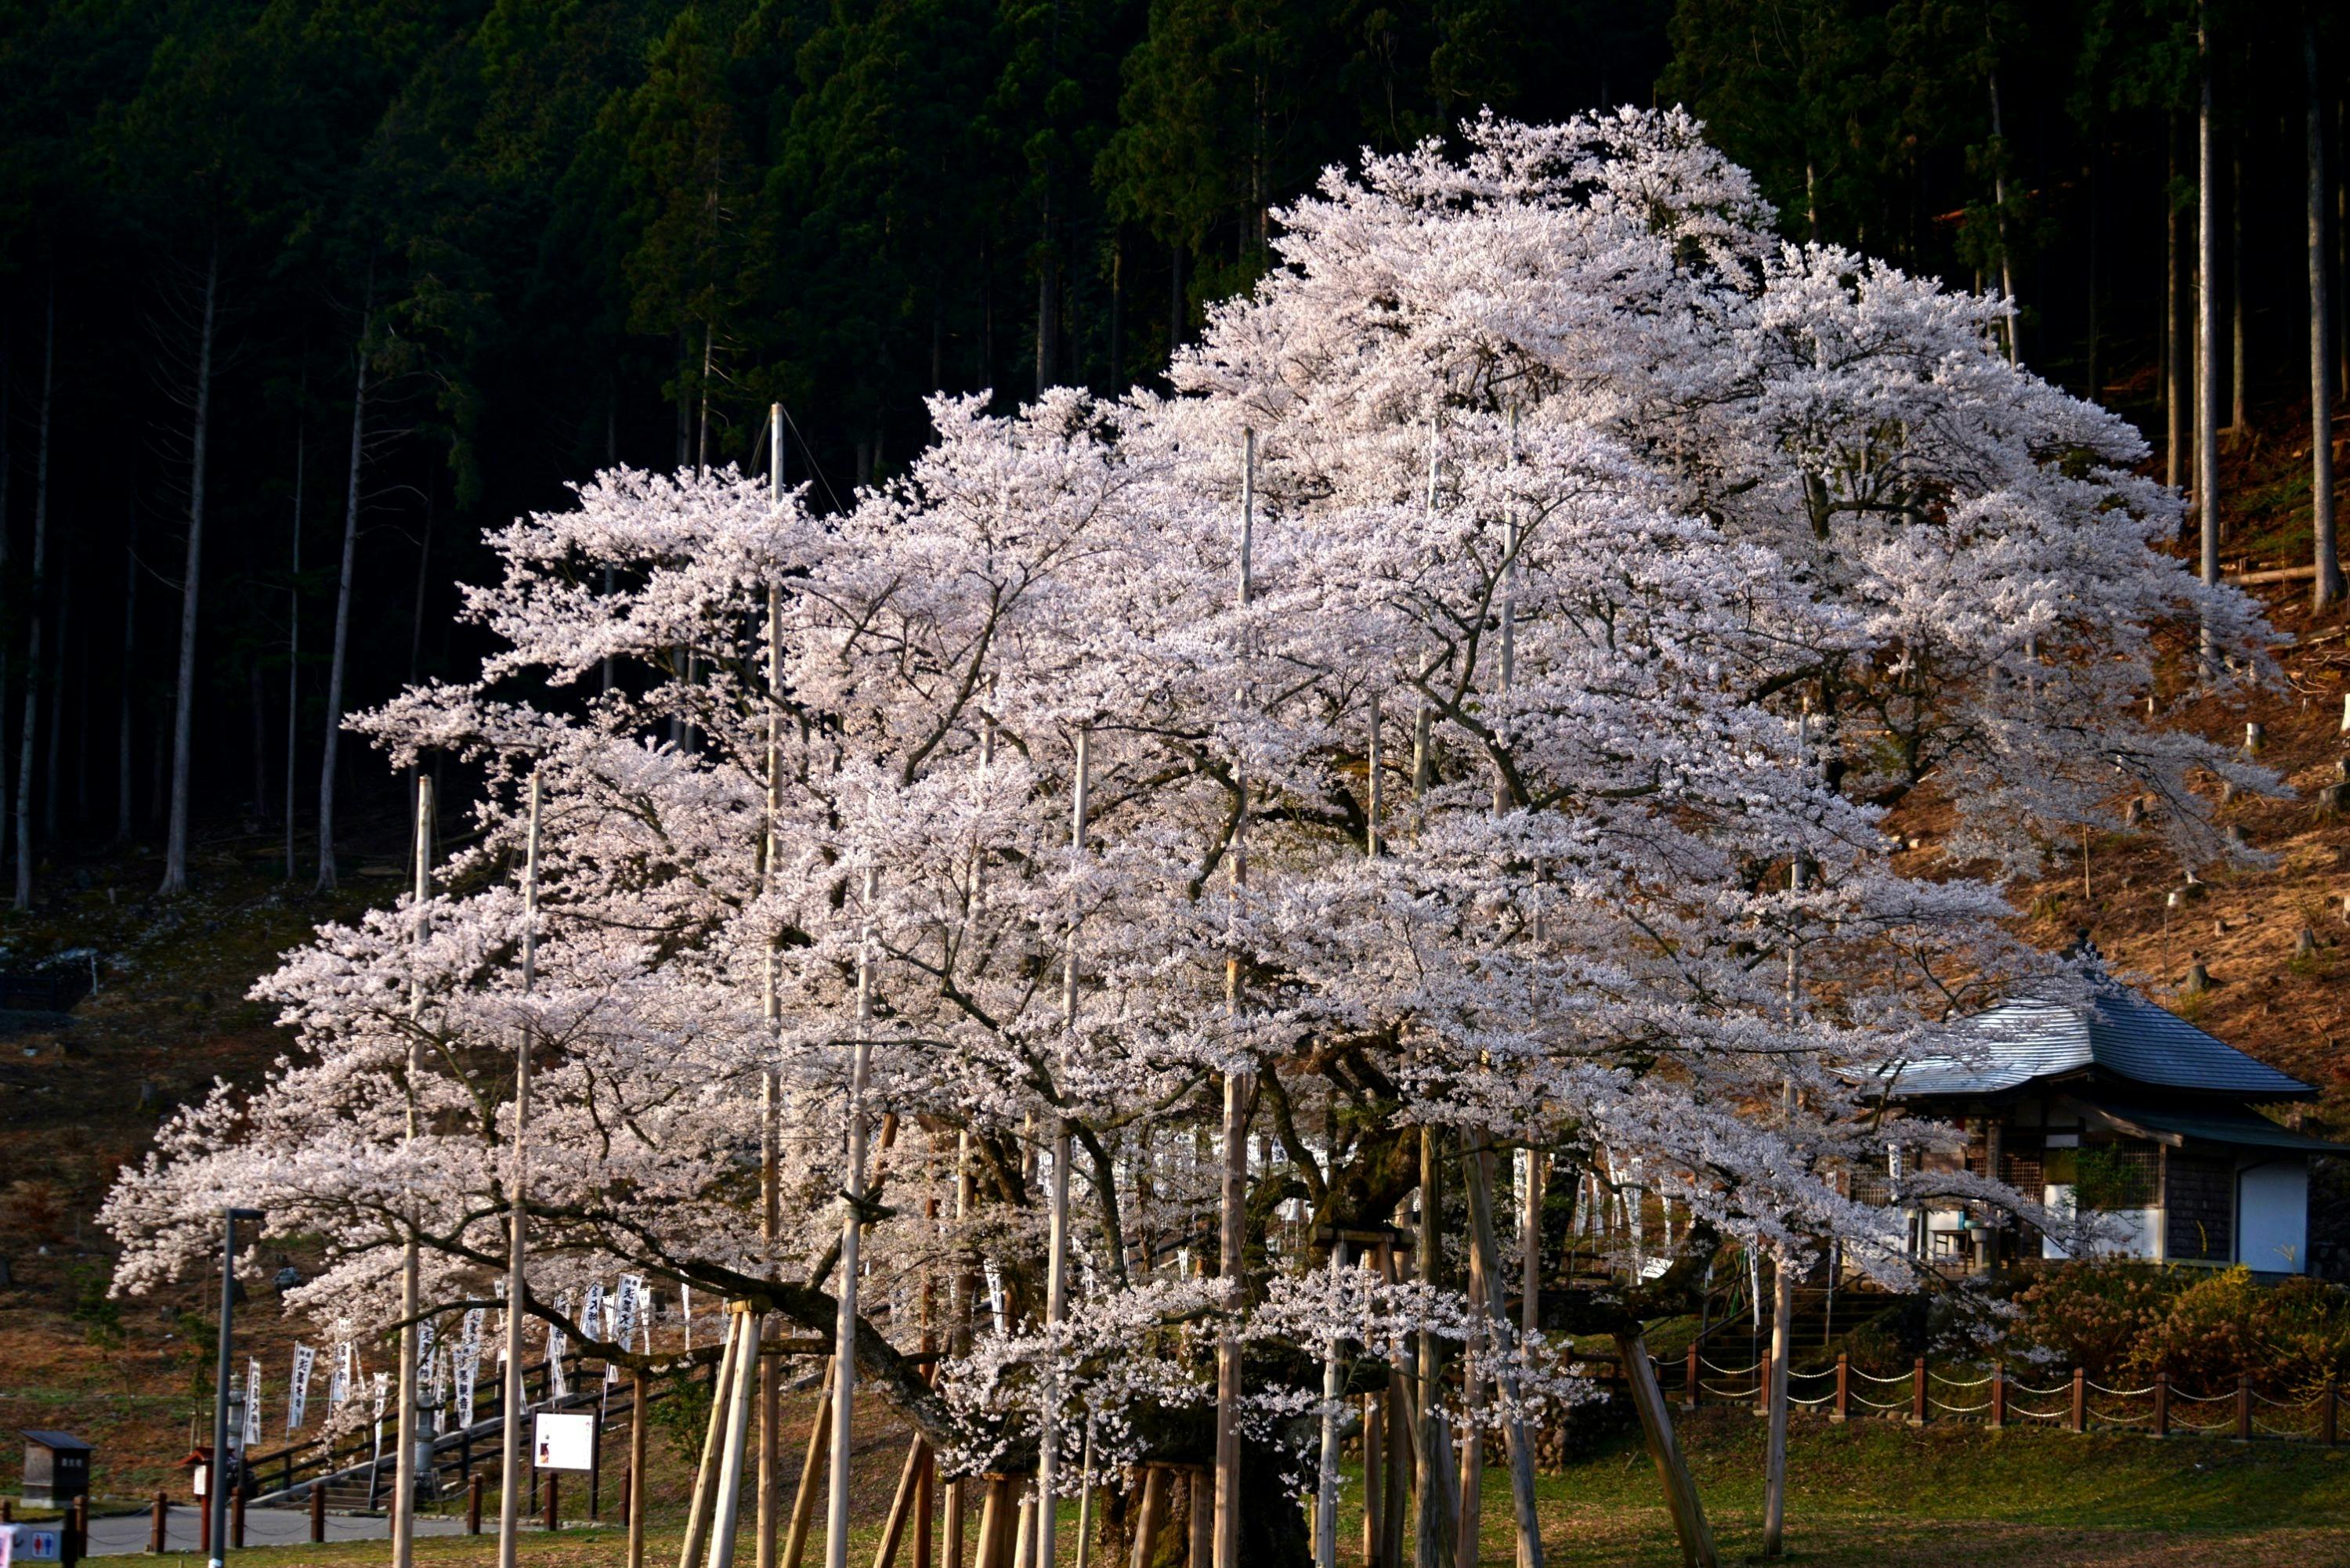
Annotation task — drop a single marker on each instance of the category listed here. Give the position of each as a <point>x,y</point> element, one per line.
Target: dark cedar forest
<point>297,300</point>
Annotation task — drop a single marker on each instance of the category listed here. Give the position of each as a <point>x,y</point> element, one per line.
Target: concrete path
<point>121,1534</point>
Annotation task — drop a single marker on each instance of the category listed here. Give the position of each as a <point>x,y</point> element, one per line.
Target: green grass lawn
<point>1870,1493</point>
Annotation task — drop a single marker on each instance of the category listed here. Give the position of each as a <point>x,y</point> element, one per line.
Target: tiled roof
<point>2114,1031</point>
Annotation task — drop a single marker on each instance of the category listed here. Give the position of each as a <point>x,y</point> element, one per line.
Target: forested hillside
<point>295,300</point>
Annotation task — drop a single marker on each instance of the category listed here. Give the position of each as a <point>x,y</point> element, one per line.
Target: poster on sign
<point>563,1442</point>
<point>29,1544</point>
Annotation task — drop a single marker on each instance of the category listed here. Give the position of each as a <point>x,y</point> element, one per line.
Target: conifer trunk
<point>334,664</point>
<point>122,798</point>
<point>30,724</point>
<point>2206,331</point>
<point>183,706</point>
<point>2328,584</point>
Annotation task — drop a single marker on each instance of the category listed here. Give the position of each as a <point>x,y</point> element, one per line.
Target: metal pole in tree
<point>852,1220</point>
<point>510,1478</point>
<point>1057,1268</point>
<point>1325,1493</point>
<point>403,1504</point>
<point>1233,1203</point>
<point>220,1481</point>
<point>770,1410</point>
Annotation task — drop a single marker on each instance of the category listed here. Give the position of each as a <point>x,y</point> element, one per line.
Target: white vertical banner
<point>466,1367</point>
<point>298,1397</point>
<point>338,1384</point>
<point>557,1387</point>
<point>252,1404</point>
<point>591,1317</point>
<point>685,1311</point>
<point>627,1302</point>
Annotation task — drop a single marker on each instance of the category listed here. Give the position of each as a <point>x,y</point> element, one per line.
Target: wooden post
<point>1998,1395</point>
<point>1690,1392</point>
<point>236,1519</point>
<point>634,1507</point>
<point>705,1475</point>
<point>319,1510</point>
<point>1843,1411</point>
<point>1918,1393</point>
<point>804,1502</point>
<point>995,1517</point>
<point>901,1506</point>
<point>1152,1515</point>
<point>2080,1400</point>
<point>204,1523</point>
<point>553,1521</point>
<point>157,1519</point>
<point>1657,1425</point>
<point>2244,1407</point>
<point>2329,1415</point>
<point>922,1505</point>
<point>2162,1404</point>
<point>1202,1550</point>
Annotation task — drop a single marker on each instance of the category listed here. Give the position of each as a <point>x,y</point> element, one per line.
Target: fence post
<point>2162,1404</point>
<point>473,1506</point>
<point>2328,1419</point>
<point>1998,1395</point>
<point>1918,1393</point>
<point>156,1522</point>
<point>553,1522</point>
<point>2080,1400</point>
<point>1842,1408</point>
<point>2244,1407</point>
<point>1689,1376</point>
<point>317,1511</point>
<point>236,1518</point>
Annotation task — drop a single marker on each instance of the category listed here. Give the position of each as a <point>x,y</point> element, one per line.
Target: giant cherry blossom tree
<point>1492,661</point>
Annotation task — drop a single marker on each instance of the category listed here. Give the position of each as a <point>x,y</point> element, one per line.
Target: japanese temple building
<point>2156,1118</point>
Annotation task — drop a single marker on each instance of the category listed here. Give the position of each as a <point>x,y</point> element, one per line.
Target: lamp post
<point>216,1488</point>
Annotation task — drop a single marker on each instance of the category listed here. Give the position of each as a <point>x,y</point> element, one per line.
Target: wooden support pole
<point>2244,1407</point>
<point>1151,1516</point>
<point>639,1396</point>
<point>1692,1383</point>
<point>318,1512</point>
<point>157,1519</point>
<point>1843,1411</point>
<point>1918,1393</point>
<point>2080,1397</point>
<point>1690,1527</point>
<point>2162,1404</point>
<point>1202,1550</point>
<point>726,1510</point>
<point>901,1505</point>
<point>697,1515</point>
<point>996,1513</point>
<point>923,1489</point>
<point>1775,1386</point>
<point>804,1501</point>
<point>554,1520</point>
<point>1999,1397</point>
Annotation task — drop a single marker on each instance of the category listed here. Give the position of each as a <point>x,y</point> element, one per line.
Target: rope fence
<point>2077,1404</point>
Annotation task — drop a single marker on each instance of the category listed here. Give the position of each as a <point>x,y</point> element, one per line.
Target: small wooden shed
<point>56,1468</point>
